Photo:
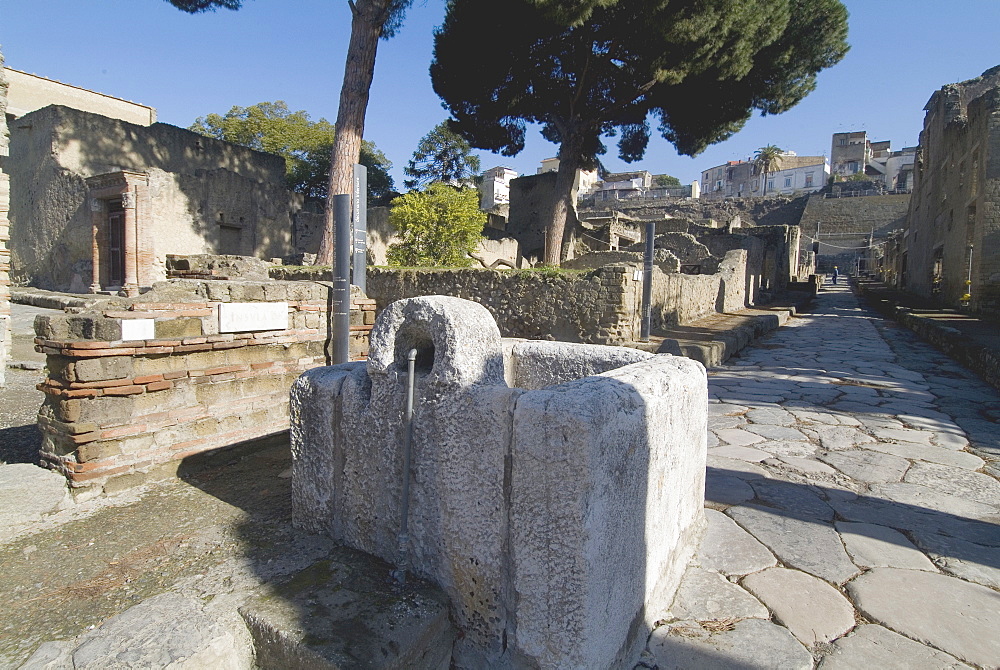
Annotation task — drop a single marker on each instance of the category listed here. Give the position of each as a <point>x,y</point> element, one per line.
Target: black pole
<point>647,283</point>
<point>341,339</point>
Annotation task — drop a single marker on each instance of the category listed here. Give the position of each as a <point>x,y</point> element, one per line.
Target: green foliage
<point>304,144</point>
<point>765,161</point>
<point>857,176</point>
<point>195,6</point>
<point>701,67</point>
<point>664,180</point>
<point>442,155</point>
<point>439,226</point>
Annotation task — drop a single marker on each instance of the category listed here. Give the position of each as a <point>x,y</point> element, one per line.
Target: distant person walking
<point>836,274</point>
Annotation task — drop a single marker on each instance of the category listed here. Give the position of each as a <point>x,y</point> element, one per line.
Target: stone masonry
<point>5,331</point>
<point>556,511</point>
<point>134,388</point>
<point>954,220</point>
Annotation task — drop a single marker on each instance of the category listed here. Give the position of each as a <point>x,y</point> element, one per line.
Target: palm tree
<point>766,160</point>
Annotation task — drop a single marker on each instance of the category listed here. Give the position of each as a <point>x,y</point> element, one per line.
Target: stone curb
<point>979,358</point>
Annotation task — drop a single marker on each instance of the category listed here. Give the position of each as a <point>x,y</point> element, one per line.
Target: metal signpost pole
<point>360,221</point>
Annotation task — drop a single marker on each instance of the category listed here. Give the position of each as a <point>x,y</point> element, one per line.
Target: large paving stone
<point>704,595</point>
<point>807,466</point>
<point>930,498</point>
<point>751,643</point>
<point>725,490</point>
<point>948,613</point>
<point>873,546</point>
<point>795,499</point>
<point>166,631</point>
<point>774,417</point>
<point>811,609</point>
<point>871,646</point>
<point>837,438</point>
<point>971,485</point>
<point>721,465</point>
<point>911,518</point>
<point>780,448</point>
<point>968,560</point>
<point>903,435</point>
<point>738,437</point>
<point>809,545</point>
<point>727,548</point>
<point>27,493</point>
<point>922,452</point>
<point>739,453</point>
<point>868,466</point>
<point>775,432</point>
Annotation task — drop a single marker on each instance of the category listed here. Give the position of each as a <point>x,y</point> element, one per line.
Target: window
<point>788,182</point>
<point>770,184</point>
<point>852,167</point>
<point>842,142</point>
<point>809,179</point>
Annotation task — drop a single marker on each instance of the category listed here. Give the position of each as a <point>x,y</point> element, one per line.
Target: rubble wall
<point>5,329</point>
<point>120,410</point>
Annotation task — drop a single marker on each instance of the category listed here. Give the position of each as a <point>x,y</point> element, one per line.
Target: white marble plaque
<point>239,317</point>
<point>138,329</point>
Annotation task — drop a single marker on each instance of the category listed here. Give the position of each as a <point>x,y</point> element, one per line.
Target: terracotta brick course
<point>159,386</point>
<point>124,390</point>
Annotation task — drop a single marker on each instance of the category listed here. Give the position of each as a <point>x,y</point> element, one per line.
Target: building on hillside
<point>952,242</point>
<point>586,180</point>
<point>494,190</point>
<point>852,153</point>
<point>795,175</point>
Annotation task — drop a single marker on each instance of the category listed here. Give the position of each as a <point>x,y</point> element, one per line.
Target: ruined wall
<point>204,196</point>
<point>845,224</point>
<point>600,306</point>
<point>139,385</point>
<point>956,197</point>
<point>595,307</point>
<point>5,329</point>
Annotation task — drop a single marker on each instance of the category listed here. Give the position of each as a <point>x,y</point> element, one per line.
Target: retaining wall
<point>133,389</point>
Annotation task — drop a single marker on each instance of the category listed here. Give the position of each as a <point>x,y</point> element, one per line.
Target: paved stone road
<point>853,507</point>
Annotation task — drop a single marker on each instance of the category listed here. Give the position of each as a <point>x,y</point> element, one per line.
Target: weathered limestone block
<point>558,521</point>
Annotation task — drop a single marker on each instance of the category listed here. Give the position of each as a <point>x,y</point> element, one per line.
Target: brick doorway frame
<point>131,189</point>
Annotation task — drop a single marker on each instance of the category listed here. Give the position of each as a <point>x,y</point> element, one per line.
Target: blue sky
<point>293,50</point>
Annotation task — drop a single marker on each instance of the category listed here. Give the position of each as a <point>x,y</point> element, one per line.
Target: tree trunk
<point>563,205</point>
<point>368,17</point>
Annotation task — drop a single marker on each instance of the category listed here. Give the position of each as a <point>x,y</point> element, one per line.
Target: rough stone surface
<point>27,492</point>
<point>705,595</point>
<point>871,646</point>
<point>165,631</point>
<point>809,545</point>
<point>867,466</point>
<point>874,546</point>
<point>812,610</point>
<point>961,621</point>
<point>687,645</point>
<point>624,450</point>
<point>729,549</point>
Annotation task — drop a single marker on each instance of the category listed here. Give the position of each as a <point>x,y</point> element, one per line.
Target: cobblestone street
<point>852,506</point>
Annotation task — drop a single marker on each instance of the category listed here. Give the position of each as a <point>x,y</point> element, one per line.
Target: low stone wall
<point>597,307</point>
<point>133,389</point>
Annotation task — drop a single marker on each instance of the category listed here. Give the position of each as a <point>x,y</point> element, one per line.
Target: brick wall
<point>120,412</point>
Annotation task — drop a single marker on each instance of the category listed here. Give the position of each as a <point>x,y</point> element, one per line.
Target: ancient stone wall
<point>5,329</point>
<point>194,365</point>
<point>200,195</point>
<point>596,307</point>
<point>954,217</point>
<point>845,224</point>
